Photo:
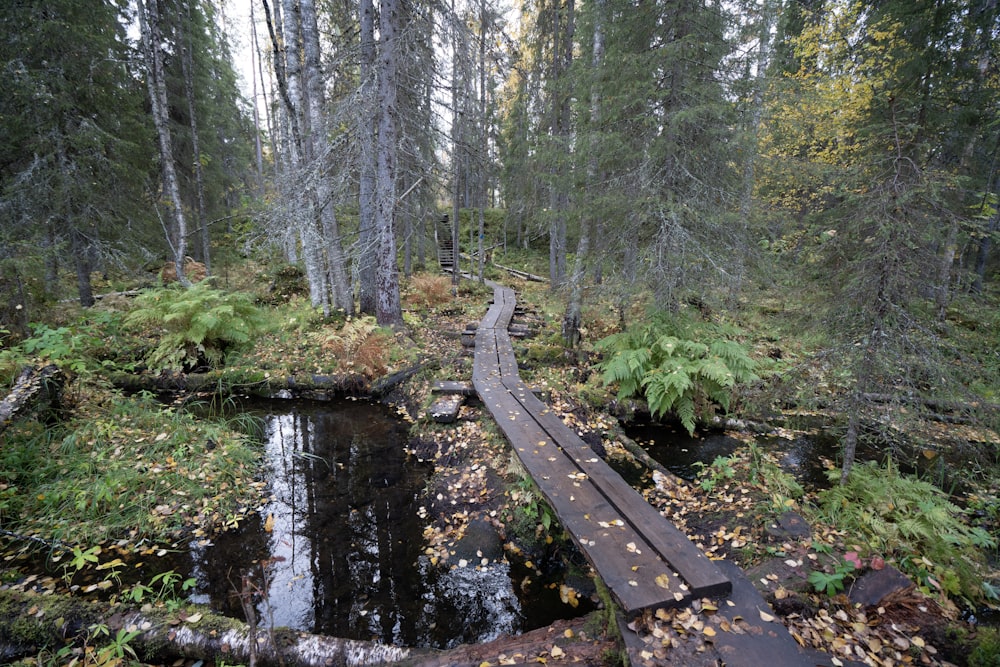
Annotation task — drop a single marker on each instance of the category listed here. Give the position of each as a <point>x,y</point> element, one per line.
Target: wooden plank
<point>637,576</point>
<point>633,548</point>
<point>453,387</point>
<point>697,570</point>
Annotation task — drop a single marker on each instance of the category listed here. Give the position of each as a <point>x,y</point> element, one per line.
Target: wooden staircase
<point>445,247</point>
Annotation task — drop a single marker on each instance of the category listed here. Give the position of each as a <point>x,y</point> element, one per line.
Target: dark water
<point>805,457</point>
<point>345,553</point>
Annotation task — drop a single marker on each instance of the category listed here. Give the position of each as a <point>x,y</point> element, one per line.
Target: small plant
<point>79,561</point>
<point>987,650</point>
<point>666,362</point>
<point>912,521</point>
<point>360,345</point>
<point>427,290</point>
<point>162,589</point>
<point>117,649</point>
<point>195,326</point>
<point>832,583</point>
<point>720,471</point>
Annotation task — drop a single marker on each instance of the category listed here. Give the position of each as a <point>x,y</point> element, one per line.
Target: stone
<point>872,587</point>
<point>789,526</point>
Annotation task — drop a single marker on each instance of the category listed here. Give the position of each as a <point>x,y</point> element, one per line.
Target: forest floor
<point>738,512</point>
<point>730,514</point>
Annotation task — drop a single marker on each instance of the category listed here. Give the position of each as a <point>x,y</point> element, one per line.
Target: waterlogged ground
<point>339,547</point>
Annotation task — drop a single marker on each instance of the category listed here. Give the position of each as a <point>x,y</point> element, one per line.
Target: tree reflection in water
<point>345,551</point>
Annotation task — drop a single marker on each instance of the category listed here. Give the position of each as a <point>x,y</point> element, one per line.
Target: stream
<point>342,544</point>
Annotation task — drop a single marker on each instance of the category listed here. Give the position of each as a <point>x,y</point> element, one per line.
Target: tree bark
<point>388,309</point>
<point>366,249</point>
<point>214,638</point>
<point>336,260</point>
<point>149,26</point>
<point>456,146</point>
<point>187,69</point>
<point>574,305</point>
<point>162,637</point>
<point>32,385</point>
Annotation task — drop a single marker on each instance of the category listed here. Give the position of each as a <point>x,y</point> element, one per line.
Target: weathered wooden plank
<point>700,574</point>
<point>636,575</point>
<point>645,561</point>
<point>453,387</point>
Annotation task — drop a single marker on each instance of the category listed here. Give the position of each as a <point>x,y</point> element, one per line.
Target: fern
<point>911,520</point>
<point>664,362</point>
<point>194,326</point>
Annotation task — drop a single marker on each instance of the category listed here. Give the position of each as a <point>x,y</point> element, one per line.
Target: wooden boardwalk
<point>644,560</point>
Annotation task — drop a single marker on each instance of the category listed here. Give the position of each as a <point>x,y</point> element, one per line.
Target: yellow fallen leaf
<point>764,616</point>
<point>193,618</point>
<point>663,581</point>
<point>556,652</point>
<point>568,633</point>
<point>708,631</point>
<point>917,641</point>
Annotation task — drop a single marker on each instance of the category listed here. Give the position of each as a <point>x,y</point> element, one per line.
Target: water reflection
<point>344,547</point>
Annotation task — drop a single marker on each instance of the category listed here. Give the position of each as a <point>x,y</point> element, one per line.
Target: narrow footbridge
<point>644,560</point>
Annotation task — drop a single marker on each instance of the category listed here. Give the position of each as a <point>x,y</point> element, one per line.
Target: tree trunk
<point>366,252</point>
<point>187,69</point>
<point>258,149</point>
<point>984,252</point>
<point>456,146</point>
<point>80,247</point>
<point>217,639</point>
<point>574,305</point>
<point>388,310</point>
<point>308,217</point>
<point>319,148</point>
<point>149,26</point>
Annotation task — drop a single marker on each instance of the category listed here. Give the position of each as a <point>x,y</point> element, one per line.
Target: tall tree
<point>73,158</point>
<point>149,15</point>
<point>881,135</point>
<point>366,164</point>
<point>388,310</point>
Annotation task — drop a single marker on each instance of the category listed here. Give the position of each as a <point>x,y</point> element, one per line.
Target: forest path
<point>645,561</point>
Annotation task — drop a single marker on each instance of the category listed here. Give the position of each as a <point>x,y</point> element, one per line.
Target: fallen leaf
<point>764,616</point>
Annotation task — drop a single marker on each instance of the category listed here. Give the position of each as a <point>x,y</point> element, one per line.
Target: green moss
<point>987,649</point>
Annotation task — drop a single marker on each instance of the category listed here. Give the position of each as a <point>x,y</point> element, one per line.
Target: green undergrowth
<point>678,365</point>
<point>913,524</point>
<point>125,468</point>
<point>194,326</point>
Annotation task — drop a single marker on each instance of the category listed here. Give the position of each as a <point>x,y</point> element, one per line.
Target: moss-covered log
<point>250,382</point>
<point>31,623</point>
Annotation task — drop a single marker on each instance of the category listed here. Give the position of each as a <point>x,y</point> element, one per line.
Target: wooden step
<point>453,387</point>
<point>446,408</point>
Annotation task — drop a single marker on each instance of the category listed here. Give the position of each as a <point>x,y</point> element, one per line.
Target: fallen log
<point>31,622</point>
<point>33,386</point>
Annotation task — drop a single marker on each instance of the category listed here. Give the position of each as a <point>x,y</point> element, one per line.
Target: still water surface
<point>343,544</point>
